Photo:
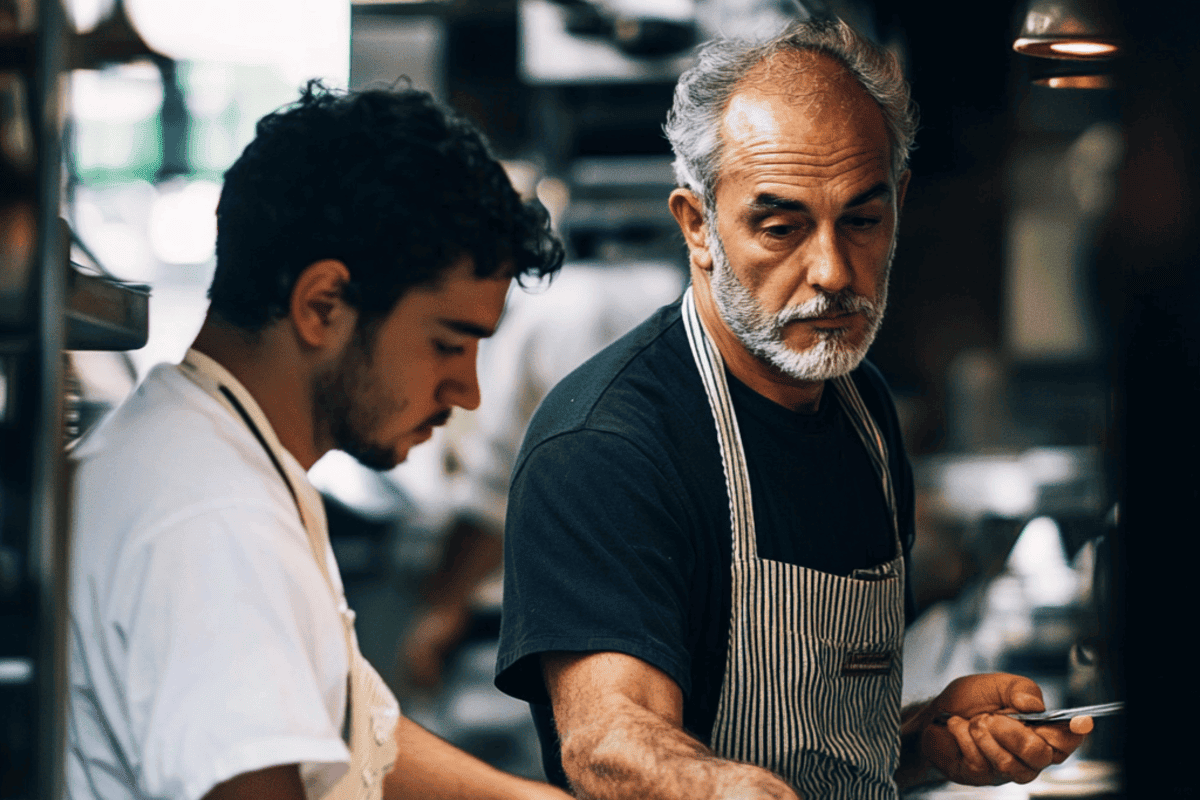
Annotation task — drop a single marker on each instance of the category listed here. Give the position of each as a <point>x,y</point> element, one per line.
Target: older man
<point>700,610</point>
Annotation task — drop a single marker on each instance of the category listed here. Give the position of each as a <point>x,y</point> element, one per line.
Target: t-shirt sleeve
<point>234,651</point>
<point>596,559</point>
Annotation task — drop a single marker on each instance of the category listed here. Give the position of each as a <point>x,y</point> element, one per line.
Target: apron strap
<point>711,366</point>
<point>847,394</point>
<point>733,456</point>
<point>224,388</point>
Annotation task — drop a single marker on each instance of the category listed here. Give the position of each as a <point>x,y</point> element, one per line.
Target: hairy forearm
<point>629,752</point>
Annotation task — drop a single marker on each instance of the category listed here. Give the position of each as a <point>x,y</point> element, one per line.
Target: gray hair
<point>703,92</point>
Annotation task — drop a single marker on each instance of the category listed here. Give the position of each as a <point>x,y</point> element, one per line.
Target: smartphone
<point>1067,714</point>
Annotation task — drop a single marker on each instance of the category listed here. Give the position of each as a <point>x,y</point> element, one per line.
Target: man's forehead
<point>797,100</point>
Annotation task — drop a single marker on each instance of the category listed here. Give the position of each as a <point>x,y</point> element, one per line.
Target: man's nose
<point>462,388</point>
<point>828,267</point>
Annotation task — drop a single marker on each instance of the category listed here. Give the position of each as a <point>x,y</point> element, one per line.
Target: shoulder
<point>171,459</point>
<point>638,388</point>
<point>170,445</point>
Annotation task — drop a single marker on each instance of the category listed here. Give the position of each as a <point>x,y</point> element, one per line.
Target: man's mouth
<point>832,317</point>
<point>830,313</point>
<point>437,420</point>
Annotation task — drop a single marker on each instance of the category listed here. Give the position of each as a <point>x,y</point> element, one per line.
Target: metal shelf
<point>105,314</point>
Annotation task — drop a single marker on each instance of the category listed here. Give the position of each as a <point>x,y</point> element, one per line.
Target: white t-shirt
<point>204,640</point>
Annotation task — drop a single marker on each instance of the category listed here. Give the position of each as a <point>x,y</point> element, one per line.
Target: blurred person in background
<point>366,244</point>
<point>676,634</point>
<point>545,335</point>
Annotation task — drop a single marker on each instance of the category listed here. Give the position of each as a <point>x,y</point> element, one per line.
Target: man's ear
<point>689,213</point>
<point>902,188</point>
<point>318,310</point>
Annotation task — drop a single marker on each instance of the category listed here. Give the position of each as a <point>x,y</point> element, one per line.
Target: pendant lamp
<point>1077,30</point>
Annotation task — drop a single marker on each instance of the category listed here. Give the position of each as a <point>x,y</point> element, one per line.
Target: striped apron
<point>372,710</point>
<point>813,670</point>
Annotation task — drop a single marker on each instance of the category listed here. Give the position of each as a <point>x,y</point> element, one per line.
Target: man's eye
<point>862,223</point>
<point>447,349</point>
<point>779,231</point>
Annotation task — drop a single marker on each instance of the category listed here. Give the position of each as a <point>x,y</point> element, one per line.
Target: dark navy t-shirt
<point>618,531</point>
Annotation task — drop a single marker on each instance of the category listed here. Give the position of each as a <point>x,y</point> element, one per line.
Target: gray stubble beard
<point>761,332</point>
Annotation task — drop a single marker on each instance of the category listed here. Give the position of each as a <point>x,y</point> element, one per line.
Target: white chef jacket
<point>204,640</point>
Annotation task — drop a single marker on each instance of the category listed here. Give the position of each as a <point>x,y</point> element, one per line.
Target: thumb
<point>1025,695</point>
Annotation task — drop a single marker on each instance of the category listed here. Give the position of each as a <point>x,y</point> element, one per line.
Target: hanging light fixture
<point>1077,30</point>
<point>1073,74</point>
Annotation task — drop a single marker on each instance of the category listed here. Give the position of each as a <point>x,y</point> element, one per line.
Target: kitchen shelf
<point>105,314</point>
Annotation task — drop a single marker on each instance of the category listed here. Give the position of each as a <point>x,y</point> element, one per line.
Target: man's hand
<point>980,746</point>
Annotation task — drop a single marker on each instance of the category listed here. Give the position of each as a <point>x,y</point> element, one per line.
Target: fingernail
<point>1029,702</point>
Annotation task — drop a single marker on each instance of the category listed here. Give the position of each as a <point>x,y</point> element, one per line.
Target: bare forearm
<point>630,752</point>
<point>430,768</point>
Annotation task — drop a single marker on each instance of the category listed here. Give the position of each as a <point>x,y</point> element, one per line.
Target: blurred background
<point>1041,338</point>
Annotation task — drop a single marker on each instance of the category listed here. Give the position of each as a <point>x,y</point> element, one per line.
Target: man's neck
<point>803,397</point>
<point>276,380</point>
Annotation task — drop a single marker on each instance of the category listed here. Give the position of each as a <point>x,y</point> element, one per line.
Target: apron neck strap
<point>733,457</point>
<point>227,390</point>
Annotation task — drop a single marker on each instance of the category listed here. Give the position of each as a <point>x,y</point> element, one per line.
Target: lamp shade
<point>1075,74</point>
<point>1078,30</point>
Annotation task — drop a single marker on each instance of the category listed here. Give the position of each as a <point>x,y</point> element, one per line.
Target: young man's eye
<point>447,349</point>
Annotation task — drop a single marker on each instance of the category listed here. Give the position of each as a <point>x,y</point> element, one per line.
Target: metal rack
<point>46,307</point>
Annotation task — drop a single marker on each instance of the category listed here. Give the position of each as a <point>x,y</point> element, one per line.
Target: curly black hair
<point>387,181</point>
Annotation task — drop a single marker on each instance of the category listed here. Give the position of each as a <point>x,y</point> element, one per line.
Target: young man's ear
<point>689,213</point>
<point>318,311</point>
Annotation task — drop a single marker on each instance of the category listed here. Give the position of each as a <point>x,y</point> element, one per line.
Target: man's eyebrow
<point>767,202</point>
<point>773,202</point>
<point>880,190</point>
<point>467,328</point>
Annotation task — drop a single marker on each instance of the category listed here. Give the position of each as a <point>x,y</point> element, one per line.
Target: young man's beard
<point>340,408</point>
<point>762,333</point>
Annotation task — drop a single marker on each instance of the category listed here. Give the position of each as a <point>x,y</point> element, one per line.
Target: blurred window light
<point>210,147</point>
<point>208,87</point>
<point>234,62</point>
<point>115,114</point>
<point>119,245</point>
<point>555,195</point>
<point>1039,559</point>
<point>302,38</point>
<point>1002,487</point>
<point>1047,465</point>
<point>183,222</point>
<point>86,13</point>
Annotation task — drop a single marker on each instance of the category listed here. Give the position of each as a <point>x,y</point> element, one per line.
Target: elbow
<point>591,760</point>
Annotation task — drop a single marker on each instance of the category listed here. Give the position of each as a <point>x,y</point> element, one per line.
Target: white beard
<point>761,332</point>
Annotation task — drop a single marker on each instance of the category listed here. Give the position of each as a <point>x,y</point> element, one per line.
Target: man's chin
<point>380,459</point>
<point>821,362</point>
